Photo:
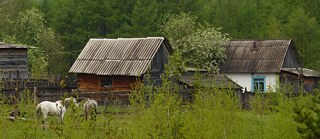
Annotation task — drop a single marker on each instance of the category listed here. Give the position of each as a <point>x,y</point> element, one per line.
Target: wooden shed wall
<point>308,83</point>
<point>14,63</point>
<point>291,59</point>
<point>157,66</point>
<point>94,83</point>
<point>88,82</point>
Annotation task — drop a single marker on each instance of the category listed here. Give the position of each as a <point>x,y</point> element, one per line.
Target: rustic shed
<point>13,61</point>
<point>202,78</point>
<point>307,79</point>
<point>256,64</point>
<point>119,64</point>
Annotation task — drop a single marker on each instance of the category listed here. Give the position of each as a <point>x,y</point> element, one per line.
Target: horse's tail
<point>38,111</point>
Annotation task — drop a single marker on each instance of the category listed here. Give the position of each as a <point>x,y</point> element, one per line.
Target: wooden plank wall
<point>43,89</point>
<point>123,83</point>
<point>13,63</point>
<point>87,82</point>
<point>91,83</point>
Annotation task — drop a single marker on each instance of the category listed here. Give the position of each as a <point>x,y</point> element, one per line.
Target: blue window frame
<point>258,84</point>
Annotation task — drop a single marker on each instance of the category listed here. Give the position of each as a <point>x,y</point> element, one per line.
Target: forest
<point>61,28</point>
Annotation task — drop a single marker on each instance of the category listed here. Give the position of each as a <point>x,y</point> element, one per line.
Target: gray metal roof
<point>208,80</point>
<point>305,71</point>
<point>15,46</point>
<point>122,56</point>
<point>250,56</point>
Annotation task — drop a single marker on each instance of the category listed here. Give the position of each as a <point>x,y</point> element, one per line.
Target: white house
<point>257,65</point>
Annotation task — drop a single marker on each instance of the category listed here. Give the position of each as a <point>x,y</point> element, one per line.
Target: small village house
<point>257,65</point>
<point>13,61</point>
<point>202,78</point>
<point>117,65</point>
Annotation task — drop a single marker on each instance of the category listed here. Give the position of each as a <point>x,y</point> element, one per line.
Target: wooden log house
<point>117,65</point>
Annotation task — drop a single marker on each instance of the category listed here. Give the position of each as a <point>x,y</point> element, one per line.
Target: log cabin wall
<point>124,83</point>
<point>90,82</point>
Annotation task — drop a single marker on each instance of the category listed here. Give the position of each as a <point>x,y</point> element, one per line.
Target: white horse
<point>47,108</point>
<point>68,101</point>
<point>89,107</point>
<point>58,108</point>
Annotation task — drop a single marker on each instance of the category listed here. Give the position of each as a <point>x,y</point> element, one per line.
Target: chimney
<point>256,45</point>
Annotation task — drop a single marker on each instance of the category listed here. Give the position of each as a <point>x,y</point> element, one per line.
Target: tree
<point>29,29</point>
<point>305,31</point>
<point>307,115</point>
<point>201,46</point>
<point>9,11</point>
<point>274,28</point>
<point>145,18</point>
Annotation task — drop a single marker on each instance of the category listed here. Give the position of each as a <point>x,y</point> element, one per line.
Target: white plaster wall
<point>245,79</point>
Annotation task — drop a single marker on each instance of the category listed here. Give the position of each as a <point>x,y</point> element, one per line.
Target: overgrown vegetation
<point>159,112</point>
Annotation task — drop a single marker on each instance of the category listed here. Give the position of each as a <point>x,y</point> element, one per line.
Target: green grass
<point>209,116</point>
<point>245,124</point>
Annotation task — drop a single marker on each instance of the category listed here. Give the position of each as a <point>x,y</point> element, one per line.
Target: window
<point>107,83</point>
<point>259,84</point>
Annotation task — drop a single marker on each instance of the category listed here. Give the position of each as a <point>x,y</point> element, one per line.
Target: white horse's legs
<point>43,119</point>
<point>62,115</point>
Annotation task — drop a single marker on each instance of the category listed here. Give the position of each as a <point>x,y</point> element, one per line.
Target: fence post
<point>16,102</point>
<point>35,95</point>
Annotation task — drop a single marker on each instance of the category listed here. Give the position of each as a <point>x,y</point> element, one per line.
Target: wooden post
<point>35,95</point>
<point>16,102</point>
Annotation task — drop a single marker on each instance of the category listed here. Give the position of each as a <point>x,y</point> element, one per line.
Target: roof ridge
<point>127,38</point>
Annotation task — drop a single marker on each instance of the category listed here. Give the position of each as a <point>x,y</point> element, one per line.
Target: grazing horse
<point>46,108</point>
<point>89,107</point>
<point>58,108</point>
<point>68,101</point>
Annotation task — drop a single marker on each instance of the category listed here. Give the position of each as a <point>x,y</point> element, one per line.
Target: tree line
<point>61,28</point>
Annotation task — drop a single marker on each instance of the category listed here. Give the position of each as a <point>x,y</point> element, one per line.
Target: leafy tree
<point>9,11</point>
<point>308,116</point>
<point>200,46</point>
<point>38,63</point>
<point>274,28</point>
<point>145,18</point>
<point>305,31</point>
<point>30,29</point>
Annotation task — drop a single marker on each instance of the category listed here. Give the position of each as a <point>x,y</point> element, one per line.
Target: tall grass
<point>214,113</point>
<point>159,112</point>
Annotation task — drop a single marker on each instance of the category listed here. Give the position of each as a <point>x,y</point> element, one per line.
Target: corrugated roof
<point>122,56</point>
<point>5,45</point>
<point>209,80</point>
<point>250,56</point>
<point>306,72</point>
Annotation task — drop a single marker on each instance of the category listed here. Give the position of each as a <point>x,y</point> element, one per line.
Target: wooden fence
<point>54,90</point>
<point>43,89</point>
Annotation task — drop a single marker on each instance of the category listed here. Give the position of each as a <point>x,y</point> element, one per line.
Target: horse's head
<point>60,107</point>
<point>68,101</point>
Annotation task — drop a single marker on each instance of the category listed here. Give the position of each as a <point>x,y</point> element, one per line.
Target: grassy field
<point>121,123</point>
<point>164,116</point>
